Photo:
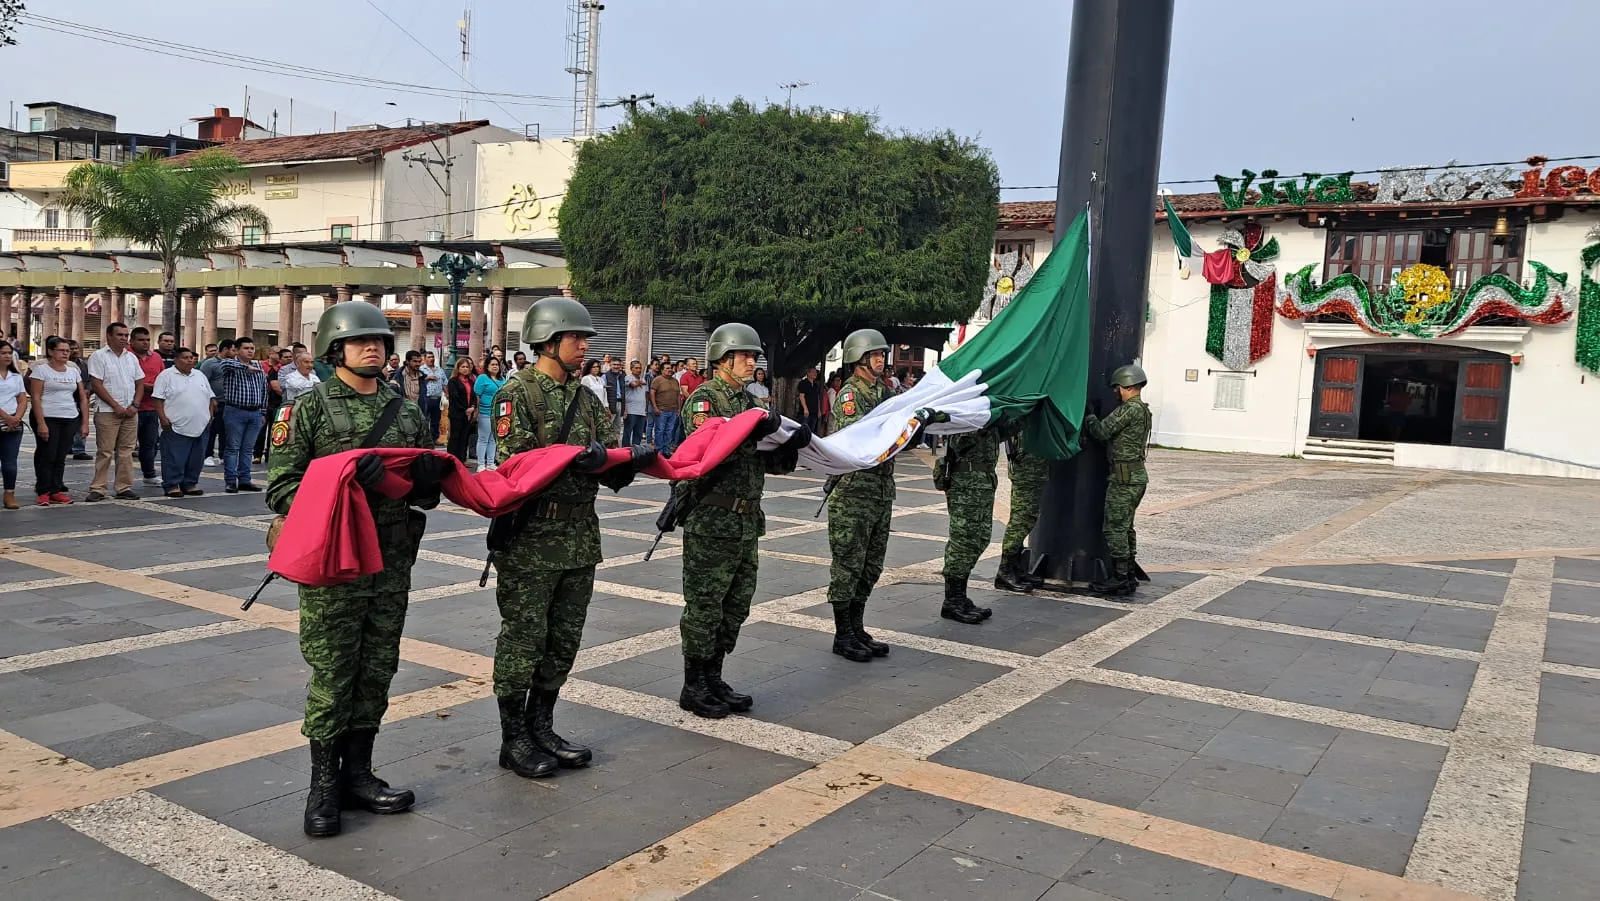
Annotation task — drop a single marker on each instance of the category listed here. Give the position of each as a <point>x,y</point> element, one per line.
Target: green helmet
<point>351,319</point>
<point>552,316</point>
<point>1129,376</point>
<point>861,342</point>
<point>730,337</point>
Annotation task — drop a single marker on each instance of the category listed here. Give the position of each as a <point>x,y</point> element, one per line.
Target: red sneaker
<point>60,497</point>
<point>44,500</point>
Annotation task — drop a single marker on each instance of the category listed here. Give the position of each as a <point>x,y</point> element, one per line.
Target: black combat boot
<point>1024,566</point>
<point>958,606</point>
<point>1010,577</point>
<point>1119,584</point>
<point>322,804</point>
<point>736,702</point>
<point>518,753</point>
<point>359,787</point>
<point>846,643</point>
<point>541,725</point>
<point>858,612</point>
<point>697,697</point>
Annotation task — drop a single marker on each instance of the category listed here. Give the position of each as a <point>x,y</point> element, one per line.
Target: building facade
<point>1441,319</point>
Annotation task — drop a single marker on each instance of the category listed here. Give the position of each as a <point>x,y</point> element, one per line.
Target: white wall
<point>409,191</point>
<point>321,195</point>
<point>520,188</point>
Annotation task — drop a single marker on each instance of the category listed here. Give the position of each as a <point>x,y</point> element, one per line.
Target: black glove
<point>642,456</point>
<point>800,438</point>
<point>928,415</point>
<point>369,470</point>
<point>767,426</point>
<point>1094,407</point>
<point>430,469</point>
<point>591,459</point>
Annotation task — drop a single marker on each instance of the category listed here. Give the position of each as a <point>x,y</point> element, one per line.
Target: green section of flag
<point>1035,353</point>
<point>1180,232</point>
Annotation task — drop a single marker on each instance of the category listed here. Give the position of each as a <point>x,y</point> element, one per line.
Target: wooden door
<point>1336,398</point>
<point>1482,392</point>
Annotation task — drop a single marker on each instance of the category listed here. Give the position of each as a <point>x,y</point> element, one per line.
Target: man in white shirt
<point>184,403</point>
<point>116,385</point>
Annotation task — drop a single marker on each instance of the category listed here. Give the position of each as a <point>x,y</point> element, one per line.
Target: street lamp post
<point>457,268</point>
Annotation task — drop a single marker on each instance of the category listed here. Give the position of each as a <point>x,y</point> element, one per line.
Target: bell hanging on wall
<point>1502,230</point>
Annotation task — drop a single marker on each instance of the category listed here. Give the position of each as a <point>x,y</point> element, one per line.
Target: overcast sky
<point>1292,84</point>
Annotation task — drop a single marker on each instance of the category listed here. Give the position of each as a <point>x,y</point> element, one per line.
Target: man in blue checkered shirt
<point>242,392</point>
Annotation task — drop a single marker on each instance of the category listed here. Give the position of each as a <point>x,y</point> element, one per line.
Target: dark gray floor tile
<point>1245,780</point>
<point>1565,799</point>
<point>1378,808</point>
<point>39,846</point>
<point>1571,642</point>
<point>375,847</point>
<point>1025,844</point>
<point>939,873</point>
<point>765,878</point>
<point>1125,872</point>
<point>1363,846</point>
<point>1585,569</point>
<point>52,729</point>
<point>1557,865</point>
<point>1578,599</point>
<point>1246,889</point>
<point>1271,753</point>
<point>233,719</point>
<point>1097,782</point>
<point>132,743</point>
<point>1105,749</point>
<point>1161,730</point>
<point>1188,803</point>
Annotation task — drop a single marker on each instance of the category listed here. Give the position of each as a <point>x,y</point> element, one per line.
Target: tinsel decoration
<point>1425,286</point>
<point>1548,302</point>
<point>1008,274</point>
<point>1589,310</point>
<point>1243,289</point>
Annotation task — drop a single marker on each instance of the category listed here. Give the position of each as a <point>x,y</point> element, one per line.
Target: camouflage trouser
<point>719,581</point>
<point>859,513</point>
<point>1122,501</point>
<point>541,625</point>
<point>350,637</point>
<point>1028,475</point>
<point>970,500</point>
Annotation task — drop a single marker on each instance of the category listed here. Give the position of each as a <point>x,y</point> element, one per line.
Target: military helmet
<point>552,316</point>
<point>861,342</point>
<point>351,319</point>
<point>1129,376</point>
<point>730,337</point>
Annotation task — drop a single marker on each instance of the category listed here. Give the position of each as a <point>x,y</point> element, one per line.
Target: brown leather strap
<point>729,502</point>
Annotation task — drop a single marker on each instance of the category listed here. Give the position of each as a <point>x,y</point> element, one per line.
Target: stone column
<point>475,326</point>
<point>244,311</point>
<point>498,316</point>
<point>5,316</point>
<point>341,293</point>
<point>285,313</point>
<point>111,305</point>
<point>76,302</point>
<point>141,309</point>
<point>375,298</point>
<point>64,312</point>
<point>418,299</point>
<point>640,324</point>
<point>191,318</point>
<point>52,316</point>
<point>208,328</point>
<point>24,314</point>
<point>299,316</point>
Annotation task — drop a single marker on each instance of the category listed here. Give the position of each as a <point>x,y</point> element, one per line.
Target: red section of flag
<point>330,536</point>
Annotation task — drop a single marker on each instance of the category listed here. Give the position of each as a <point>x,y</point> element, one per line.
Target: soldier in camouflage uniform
<point>1028,472</point>
<point>860,506</point>
<point>1126,434</point>
<point>350,633</point>
<point>546,574</point>
<point>966,476</point>
<point>724,524</point>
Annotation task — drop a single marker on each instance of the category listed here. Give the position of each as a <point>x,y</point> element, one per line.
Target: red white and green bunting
<point>1243,290</point>
<point>1588,355</point>
<point>1422,304</point>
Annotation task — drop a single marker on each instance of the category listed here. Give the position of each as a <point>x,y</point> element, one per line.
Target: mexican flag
<point>1243,289</point>
<point>1033,356</point>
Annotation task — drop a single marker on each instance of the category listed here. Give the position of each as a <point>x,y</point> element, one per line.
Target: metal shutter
<point>678,334</point>
<point>611,324</point>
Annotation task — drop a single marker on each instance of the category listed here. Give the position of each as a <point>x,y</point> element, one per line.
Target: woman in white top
<point>60,411</point>
<point>760,390</point>
<point>300,379</point>
<point>13,413</point>
<point>594,381</point>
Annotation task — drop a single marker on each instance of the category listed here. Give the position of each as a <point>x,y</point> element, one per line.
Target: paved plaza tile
<point>1284,712</point>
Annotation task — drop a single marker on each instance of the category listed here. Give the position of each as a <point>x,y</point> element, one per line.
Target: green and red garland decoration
<point>1420,304</point>
<point>1243,290</point>
<point>1588,355</point>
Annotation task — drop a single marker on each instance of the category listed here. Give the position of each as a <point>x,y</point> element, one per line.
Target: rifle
<point>502,529</point>
<point>683,501</point>
<point>827,489</point>
<point>251,600</point>
<point>1012,451</point>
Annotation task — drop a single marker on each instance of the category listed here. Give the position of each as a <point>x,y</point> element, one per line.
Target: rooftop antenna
<point>583,36</point>
<point>466,55</point>
<point>790,88</point>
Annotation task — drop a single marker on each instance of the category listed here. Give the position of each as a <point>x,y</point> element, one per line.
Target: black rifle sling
<point>386,418</point>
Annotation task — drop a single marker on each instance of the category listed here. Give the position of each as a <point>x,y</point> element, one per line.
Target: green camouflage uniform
<point>1125,432</point>
<point>350,633</point>
<point>720,536</point>
<point>546,575</point>
<point>967,475</point>
<point>1028,474</point>
<point>860,507</point>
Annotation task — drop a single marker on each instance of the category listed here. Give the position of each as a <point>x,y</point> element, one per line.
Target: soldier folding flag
<point>1033,356</point>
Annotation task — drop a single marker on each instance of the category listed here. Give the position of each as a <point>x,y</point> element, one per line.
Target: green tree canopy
<point>805,224</point>
<point>175,210</point>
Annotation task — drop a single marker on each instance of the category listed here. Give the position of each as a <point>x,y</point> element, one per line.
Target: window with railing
<point>52,217</point>
<point>1465,254</point>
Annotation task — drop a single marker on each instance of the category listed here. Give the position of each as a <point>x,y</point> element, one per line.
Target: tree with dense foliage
<point>173,210</point>
<point>805,224</point>
<point>10,12</point>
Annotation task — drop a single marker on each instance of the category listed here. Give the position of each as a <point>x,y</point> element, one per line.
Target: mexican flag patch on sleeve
<point>699,412</point>
<point>502,419</point>
<point>280,425</point>
<point>847,403</point>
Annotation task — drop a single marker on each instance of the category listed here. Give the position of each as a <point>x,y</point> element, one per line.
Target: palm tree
<point>176,211</point>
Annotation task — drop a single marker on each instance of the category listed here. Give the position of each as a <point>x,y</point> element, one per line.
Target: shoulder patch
<point>280,426</point>
<point>700,406</point>
<point>503,409</point>
<point>699,418</point>
<point>284,412</point>
<point>847,402</point>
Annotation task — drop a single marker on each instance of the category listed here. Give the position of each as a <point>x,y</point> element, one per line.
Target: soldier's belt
<point>729,502</point>
<point>970,467</point>
<point>1124,472</point>
<point>554,510</point>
